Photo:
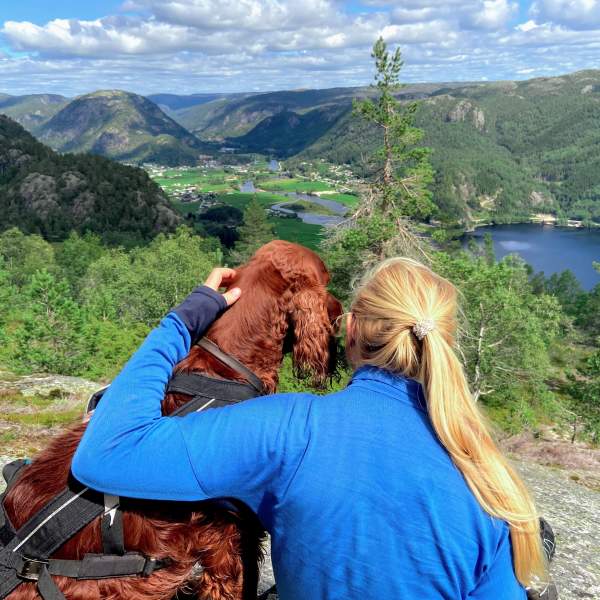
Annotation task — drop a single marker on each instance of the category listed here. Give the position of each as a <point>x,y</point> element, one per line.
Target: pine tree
<point>52,337</point>
<point>402,169</point>
<point>254,233</point>
<point>398,193</point>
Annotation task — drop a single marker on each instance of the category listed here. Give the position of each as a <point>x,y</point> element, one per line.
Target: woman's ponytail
<point>462,430</point>
<point>405,321</point>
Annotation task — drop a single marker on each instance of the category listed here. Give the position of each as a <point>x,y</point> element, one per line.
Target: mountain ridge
<point>120,125</point>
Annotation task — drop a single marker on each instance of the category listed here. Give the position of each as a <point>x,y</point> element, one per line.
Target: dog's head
<point>284,296</point>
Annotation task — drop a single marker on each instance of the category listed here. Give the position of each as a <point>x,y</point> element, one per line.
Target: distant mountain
<point>123,126</point>
<point>31,110</point>
<point>501,150</point>
<point>178,102</point>
<point>237,115</point>
<point>287,133</point>
<point>44,192</point>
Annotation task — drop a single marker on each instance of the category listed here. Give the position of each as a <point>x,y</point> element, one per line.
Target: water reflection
<point>248,187</point>
<point>310,217</point>
<point>514,246</point>
<point>549,249</point>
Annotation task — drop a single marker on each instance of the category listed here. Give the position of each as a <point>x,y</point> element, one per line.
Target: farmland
<point>193,190</point>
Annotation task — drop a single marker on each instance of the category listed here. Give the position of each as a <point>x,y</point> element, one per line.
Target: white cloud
<point>494,14</point>
<point>94,38</point>
<point>236,45</point>
<point>250,15</point>
<point>557,40</point>
<point>527,26</point>
<point>576,14</point>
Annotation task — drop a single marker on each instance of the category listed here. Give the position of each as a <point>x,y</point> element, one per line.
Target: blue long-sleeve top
<point>359,496</point>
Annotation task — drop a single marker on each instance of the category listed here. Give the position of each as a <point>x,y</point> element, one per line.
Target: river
<point>549,249</point>
<point>337,208</point>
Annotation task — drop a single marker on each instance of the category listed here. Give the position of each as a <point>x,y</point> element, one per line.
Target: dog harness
<point>25,552</point>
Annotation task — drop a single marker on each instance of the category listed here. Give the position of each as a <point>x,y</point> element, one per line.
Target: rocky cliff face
<point>466,111</point>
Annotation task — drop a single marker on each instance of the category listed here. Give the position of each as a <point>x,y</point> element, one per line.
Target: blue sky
<point>186,46</point>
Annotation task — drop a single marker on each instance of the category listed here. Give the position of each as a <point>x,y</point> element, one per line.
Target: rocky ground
<point>564,477</point>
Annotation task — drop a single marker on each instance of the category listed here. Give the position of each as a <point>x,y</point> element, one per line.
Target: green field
<point>295,185</point>
<point>294,230</point>
<point>307,206</point>
<point>213,181</point>
<point>183,208</point>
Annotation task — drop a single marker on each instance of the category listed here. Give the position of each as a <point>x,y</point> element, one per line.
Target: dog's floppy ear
<point>301,274</point>
<point>312,334</point>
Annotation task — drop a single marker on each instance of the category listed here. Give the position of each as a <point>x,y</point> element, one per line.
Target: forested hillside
<point>288,133</point>
<point>237,114</point>
<point>44,192</point>
<point>501,150</point>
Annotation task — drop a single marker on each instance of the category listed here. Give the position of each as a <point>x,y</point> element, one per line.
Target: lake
<point>549,249</point>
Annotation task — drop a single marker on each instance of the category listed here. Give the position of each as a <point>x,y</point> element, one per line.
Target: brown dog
<point>284,298</point>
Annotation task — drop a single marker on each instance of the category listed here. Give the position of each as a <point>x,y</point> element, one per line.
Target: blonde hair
<point>394,297</point>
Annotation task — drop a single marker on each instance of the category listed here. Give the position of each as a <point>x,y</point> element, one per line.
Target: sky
<point>72,47</point>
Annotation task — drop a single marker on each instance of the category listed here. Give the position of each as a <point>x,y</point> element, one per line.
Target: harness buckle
<point>32,568</point>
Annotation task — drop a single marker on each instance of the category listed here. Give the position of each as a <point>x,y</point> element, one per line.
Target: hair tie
<point>422,328</point>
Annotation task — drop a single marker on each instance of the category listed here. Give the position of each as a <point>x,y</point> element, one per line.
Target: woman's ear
<point>352,352</point>
<point>312,334</point>
<point>349,329</point>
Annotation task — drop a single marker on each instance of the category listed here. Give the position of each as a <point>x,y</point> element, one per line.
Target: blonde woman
<point>391,488</point>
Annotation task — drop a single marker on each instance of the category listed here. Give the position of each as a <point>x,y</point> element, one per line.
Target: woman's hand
<point>222,277</point>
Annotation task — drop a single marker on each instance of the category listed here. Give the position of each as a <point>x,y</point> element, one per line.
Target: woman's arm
<point>130,449</point>
<point>499,580</point>
<point>130,410</point>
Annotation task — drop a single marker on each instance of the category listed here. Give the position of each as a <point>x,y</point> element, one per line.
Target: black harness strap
<point>25,554</point>
<point>47,588</point>
<point>92,566</point>
<point>25,557</point>
<point>9,473</point>
<point>207,392</point>
<point>232,363</point>
<point>45,532</point>
<point>111,526</point>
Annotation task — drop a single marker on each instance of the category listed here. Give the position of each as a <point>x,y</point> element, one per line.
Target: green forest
<point>500,151</point>
<point>80,307</point>
<point>42,191</point>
